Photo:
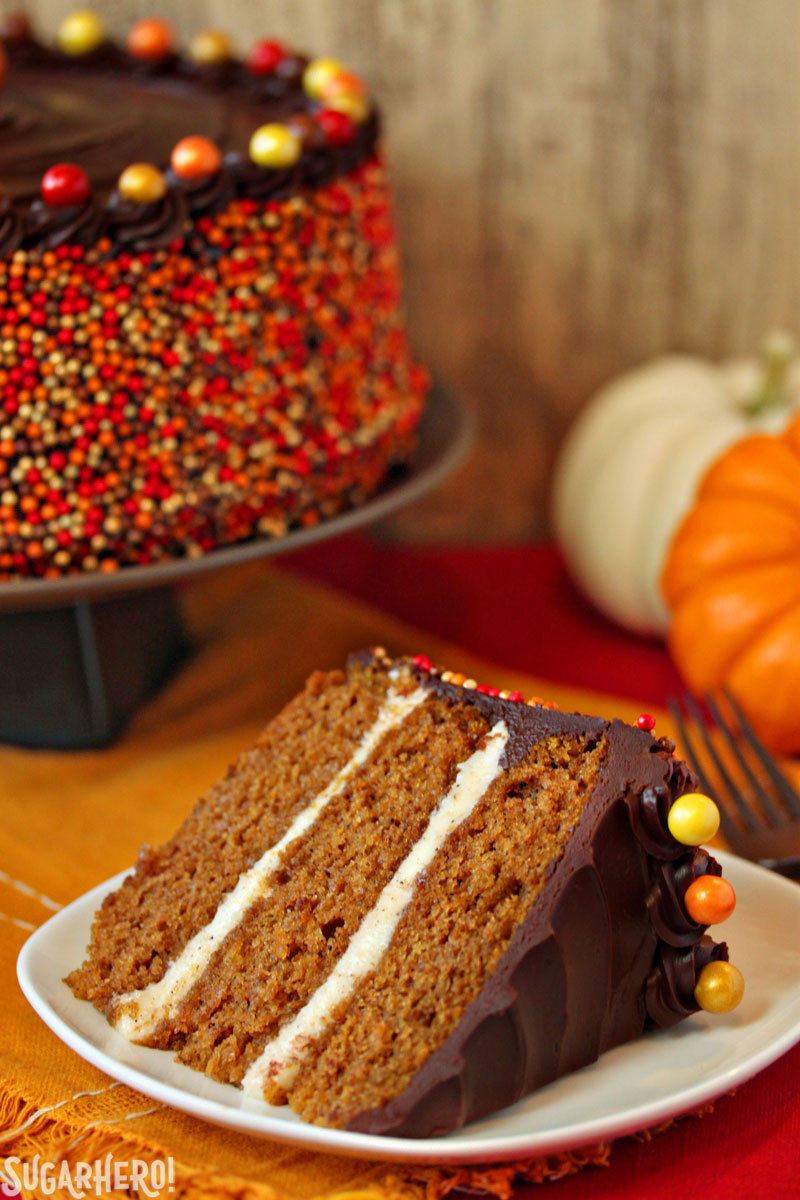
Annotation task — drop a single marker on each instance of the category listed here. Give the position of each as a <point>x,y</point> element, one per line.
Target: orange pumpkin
<point>731,581</point>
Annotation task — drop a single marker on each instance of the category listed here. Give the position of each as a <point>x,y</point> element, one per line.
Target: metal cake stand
<point>79,655</point>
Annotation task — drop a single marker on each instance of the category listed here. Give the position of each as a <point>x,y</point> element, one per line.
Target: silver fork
<point>759,807</point>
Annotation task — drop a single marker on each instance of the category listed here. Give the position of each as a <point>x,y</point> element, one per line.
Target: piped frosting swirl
<point>143,227</point>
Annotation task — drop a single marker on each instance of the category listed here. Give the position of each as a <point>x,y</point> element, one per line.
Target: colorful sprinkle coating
<point>251,378</point>
<point>423,663</point>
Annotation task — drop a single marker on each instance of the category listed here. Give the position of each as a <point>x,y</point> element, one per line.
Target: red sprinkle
<point>646,721</point>
<point>424,664</point>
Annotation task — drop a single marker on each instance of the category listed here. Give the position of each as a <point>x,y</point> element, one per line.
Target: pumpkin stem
<point>777,354</point>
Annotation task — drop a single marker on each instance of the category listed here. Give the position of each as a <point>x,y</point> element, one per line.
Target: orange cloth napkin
<point>71,820</point>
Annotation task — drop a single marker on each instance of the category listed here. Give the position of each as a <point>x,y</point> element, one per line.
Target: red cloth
<point>512,605</point>
<point>516,606</point>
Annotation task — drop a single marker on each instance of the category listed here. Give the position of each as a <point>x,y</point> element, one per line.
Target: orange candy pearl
<point>709,900</point>
<point>193,157</point>
<point>151,39</point>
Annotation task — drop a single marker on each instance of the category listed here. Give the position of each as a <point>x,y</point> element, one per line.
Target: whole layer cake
<point>415,900</point>
<point>201,338</point>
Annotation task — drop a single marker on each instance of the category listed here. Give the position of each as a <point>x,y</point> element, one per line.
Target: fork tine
<point>768,806</point>
<point>783,787</point>
<point>728,828</point>
<point>734,793</point>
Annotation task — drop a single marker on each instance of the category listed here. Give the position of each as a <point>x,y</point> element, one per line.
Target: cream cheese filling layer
<point>282,1058</point>
<point>139,1013</point>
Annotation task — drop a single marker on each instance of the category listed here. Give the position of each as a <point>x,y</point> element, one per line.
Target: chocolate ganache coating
<point>604,953</point>
<point>107,110</point>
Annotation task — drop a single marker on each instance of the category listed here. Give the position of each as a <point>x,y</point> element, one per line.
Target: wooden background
<point>579,184</point>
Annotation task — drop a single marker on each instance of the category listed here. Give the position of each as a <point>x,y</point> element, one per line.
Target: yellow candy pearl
<point>81,32</point>
<point>318,74</point>
<point>275,146</point>
<point>719,988</point>
<point>693,818</point>
<point>210,46</point>
<point>142,183</point>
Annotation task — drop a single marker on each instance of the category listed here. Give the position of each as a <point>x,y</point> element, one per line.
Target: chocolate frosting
<point>77,225</point>
<point>106,110</point>
<point>10,227</point>
<point>142,227</point>
<point>208,195</point>
<point>670,987</point>
<point>605,952</point>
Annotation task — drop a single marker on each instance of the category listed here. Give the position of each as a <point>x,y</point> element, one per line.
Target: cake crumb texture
<point>280,954</point>
<point>176,888</point>
<point>452,936</point>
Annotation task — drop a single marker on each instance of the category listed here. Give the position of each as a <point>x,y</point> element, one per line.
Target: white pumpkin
<point>629,468</point>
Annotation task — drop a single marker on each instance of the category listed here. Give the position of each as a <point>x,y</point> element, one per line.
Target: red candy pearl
<point>264,56</point>
<point>709,899</point>
<point>65,185</point>
<point>420,660</point>
<point>646,721</point>
<point>339,129</point>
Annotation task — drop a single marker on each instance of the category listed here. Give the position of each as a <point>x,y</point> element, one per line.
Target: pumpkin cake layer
<point>177,888</point>
<point>452,936</point>
<point>411,903</point>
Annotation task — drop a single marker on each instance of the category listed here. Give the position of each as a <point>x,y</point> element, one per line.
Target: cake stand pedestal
<point>79,655</point>
<point>73,675</point>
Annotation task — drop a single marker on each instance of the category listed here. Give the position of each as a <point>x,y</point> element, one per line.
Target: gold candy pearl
<point>318,74</point>
<point>693,819</point>
<point>81,32</point>
<point>720,987</point>
<point>142,183</point>
<point>275,146</point>
<point>210,46</point>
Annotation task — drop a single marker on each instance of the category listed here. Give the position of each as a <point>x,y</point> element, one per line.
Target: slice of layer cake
<point>415,900</point>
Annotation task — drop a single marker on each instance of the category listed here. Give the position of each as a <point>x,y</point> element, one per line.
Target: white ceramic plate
<point>634,1086</point>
